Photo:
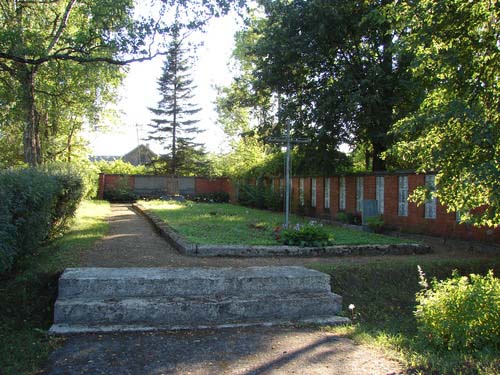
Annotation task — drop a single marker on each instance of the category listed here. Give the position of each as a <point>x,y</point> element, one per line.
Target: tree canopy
<point>412,84</point>
<point>52,50</point>
<point>335,70</point>
<point>455,130</point>
<point>175,121</point>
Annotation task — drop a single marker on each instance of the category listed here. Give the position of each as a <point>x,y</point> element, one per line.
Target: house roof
<point>142,150</point>
<point>103,158</point>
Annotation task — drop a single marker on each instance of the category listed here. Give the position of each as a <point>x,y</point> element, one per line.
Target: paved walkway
<point>133,242</point>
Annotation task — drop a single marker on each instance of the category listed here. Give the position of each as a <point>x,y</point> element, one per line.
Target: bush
<point>217,197</point>
<point>121,191</point>
<point>348,218</point>
<point>460,313</point>
<point>70,191</point>
<point>36,205</point>
<point>259,196</point>
<point>375,224</point>
<point>120,167</point>
<point>308,235</point>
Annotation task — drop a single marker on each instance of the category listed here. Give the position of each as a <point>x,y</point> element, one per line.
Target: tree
<point>253,110</point>
<point>174,122</point>
<point>190,161</point>
<point>39,38</point>
<point>455,132</point>
<point>335,68</point>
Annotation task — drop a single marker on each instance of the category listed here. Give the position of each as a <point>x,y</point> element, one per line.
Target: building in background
<point>141,155</point>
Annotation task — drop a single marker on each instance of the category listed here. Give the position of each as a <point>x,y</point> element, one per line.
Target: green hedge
<point>35,205</point>
<point>121,191</point>
<point>259,196</point>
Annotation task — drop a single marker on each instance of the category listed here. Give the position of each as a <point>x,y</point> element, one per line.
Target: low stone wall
<point>187,248</point>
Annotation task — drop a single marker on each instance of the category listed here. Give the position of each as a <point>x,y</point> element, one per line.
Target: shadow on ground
<point>250,351</point>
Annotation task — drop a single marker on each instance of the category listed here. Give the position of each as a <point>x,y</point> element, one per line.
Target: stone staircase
<point>145,299</point>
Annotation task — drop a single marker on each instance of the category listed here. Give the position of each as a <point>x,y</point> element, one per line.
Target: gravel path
<point>256,351</point>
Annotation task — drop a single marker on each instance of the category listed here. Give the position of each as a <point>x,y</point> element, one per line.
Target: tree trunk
<point>368,157</point>
<point>382,141</point>
<point>378,164</point>
<point>174,129</point>
<point>31,133</point>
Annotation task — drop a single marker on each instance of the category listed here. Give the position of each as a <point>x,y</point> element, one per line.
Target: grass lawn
<point>384,297</point>
<point>227,224</point>
<point>28,294</point>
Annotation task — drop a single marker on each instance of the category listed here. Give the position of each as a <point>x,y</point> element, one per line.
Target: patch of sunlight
<point>164,205</point>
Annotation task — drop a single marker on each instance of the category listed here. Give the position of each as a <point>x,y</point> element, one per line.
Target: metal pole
<point>287,195</point>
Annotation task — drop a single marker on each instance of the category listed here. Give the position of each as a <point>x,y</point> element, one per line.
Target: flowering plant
<point>307,235</point>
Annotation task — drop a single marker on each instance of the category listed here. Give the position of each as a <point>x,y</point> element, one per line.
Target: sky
<point>139,91</point>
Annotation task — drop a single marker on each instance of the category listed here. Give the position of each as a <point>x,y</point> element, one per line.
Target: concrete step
<point>181,282</point>
<point>142,299</point>
<point>202,311</point>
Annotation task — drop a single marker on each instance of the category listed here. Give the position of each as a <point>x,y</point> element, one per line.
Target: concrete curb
<point>187,248</point>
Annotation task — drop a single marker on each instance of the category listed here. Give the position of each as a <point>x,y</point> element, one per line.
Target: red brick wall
<point>391,199</point>
<point>100,189</point>
<point>307,195</point>
<point>350,193</point>
<point>110,180</point>
<point>320,197</point>
<point>214,185</point>
<point>334,196</point>
<point>202,185</point>
<point>369,187</point>
<point>443,225</point>
<point>294,199</point>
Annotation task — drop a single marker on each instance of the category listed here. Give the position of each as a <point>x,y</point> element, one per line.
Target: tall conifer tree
<point>174,124</point>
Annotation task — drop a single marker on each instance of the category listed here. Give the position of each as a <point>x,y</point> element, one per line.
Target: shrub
<point>308,235</point>
<point>348,218</point>
<point>36,205</point>
<point>121,191</point>
<point>259,196</point>
<point>460,313</point>
<point>342,217</point>
<point>375,224</point>
<point>70,191</point>
<point>120,167</point>
<point>216,197</point>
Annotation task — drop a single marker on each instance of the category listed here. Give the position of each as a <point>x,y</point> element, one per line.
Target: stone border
<point>188,248</point>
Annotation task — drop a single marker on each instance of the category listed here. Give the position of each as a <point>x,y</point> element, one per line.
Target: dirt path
<point>256,351</point>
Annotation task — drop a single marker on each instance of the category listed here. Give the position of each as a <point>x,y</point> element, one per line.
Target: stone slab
<point>181,282</point>
<point>370,209</point>
<point>201,311</point>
